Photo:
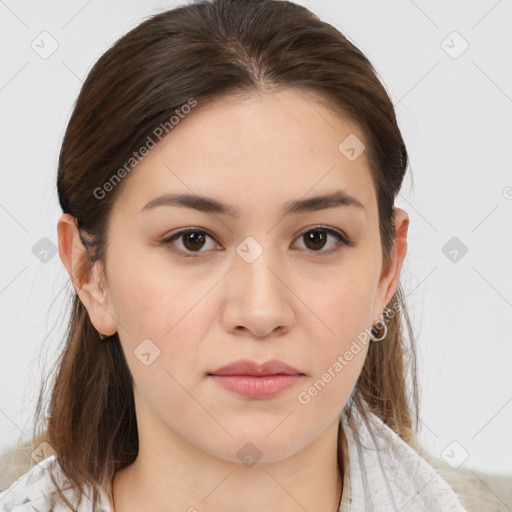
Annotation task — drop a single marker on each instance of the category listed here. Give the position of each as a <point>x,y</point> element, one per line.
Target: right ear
<point>85,276</point>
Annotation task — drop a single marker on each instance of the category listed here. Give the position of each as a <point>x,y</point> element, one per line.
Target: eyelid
<point>320,227</point>
<point>168,239</point>
<point>343,239</point>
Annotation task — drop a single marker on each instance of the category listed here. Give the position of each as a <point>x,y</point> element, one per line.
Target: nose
<point>259,298</point>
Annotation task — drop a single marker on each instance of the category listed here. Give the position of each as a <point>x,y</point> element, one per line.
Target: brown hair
<point>206,50</point>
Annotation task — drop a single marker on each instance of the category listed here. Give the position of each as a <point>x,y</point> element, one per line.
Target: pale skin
<point>295,302</point>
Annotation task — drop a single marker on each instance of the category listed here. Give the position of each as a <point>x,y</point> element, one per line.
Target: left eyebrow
<point>210,205</point>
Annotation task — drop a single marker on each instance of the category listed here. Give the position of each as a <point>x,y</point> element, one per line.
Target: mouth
<point>253,380</point>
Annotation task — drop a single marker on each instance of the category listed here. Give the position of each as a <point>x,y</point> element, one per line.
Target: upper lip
<point>247,367</point>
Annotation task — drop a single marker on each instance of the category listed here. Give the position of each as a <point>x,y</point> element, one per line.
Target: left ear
<point>388,281</point>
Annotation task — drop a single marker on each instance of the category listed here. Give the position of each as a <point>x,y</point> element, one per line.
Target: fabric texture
<point>35,491</point>
<point>382,473</point>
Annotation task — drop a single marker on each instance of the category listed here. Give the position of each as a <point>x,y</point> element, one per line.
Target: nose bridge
<point>259,298</point>
<point>256,266</point>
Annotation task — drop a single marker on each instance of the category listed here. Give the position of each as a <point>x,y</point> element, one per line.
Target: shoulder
<point>385,469</point>
<point>35,490</point>
<point>419,480</point>
<point>476,490</point>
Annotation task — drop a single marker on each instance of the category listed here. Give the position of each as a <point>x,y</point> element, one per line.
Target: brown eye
<point>191,241</point>
<point>316,239</point>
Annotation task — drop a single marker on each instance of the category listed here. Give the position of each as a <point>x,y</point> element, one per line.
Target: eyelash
<point>343,240</point>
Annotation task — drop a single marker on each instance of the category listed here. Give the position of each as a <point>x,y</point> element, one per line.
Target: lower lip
<point>257,387</point>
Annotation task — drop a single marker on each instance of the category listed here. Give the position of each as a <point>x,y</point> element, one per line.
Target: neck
<point>174,475</point>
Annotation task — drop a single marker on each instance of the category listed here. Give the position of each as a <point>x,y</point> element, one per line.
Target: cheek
<point>150,297</point>
<point>161,322</point>
<point>172,308</point>
<point>342,305</point>
<point>339,333</point>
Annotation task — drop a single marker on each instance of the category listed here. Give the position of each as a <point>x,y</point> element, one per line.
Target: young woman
<point>237,339</point>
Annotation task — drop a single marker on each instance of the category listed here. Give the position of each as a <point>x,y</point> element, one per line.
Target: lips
<point>247,367</point>
<point>257,381</point>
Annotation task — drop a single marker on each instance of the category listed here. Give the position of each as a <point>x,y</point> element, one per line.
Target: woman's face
<point>251,282</point>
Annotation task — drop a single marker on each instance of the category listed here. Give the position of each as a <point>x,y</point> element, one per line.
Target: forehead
<point>280,145</point>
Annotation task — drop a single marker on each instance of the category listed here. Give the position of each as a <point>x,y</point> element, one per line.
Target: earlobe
<point>85,276</point>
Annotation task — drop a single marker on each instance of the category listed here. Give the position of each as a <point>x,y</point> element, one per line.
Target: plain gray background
<point>454,108</point>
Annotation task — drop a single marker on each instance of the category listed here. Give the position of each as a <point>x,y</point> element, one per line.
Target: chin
<point>257,448</point>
